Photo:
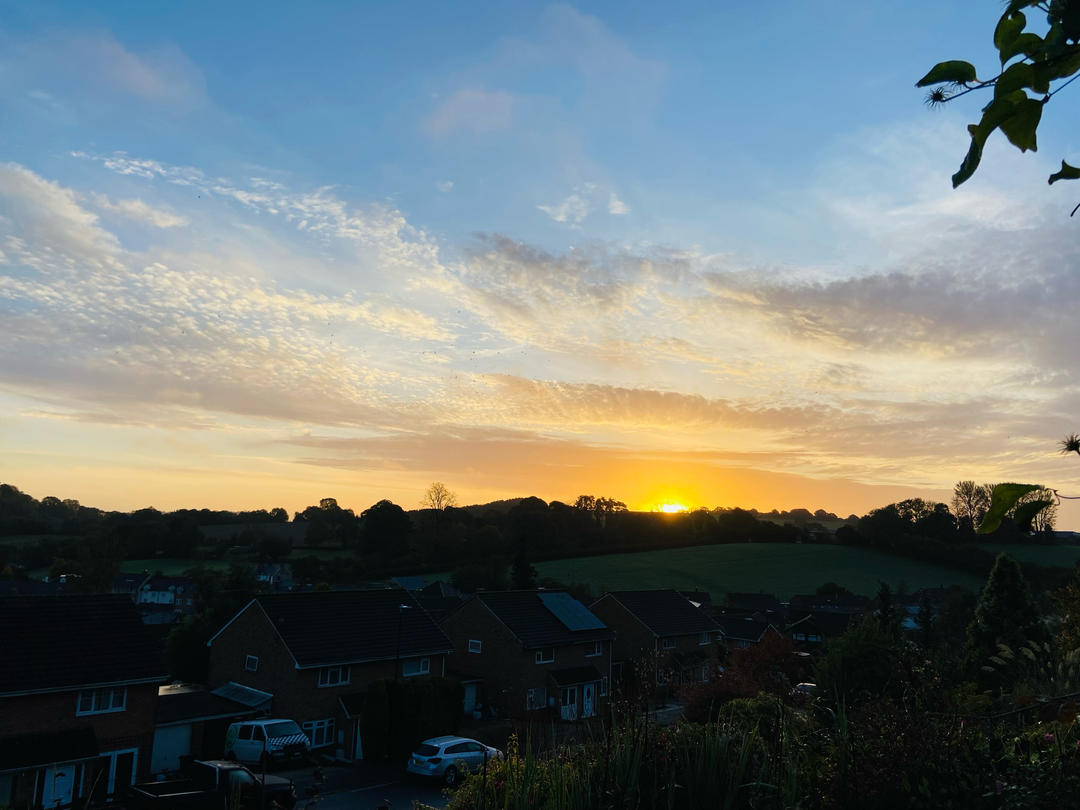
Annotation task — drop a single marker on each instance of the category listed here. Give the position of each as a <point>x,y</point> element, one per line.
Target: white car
<point>446,758</point>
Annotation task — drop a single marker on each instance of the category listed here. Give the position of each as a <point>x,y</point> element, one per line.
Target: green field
<point>782,569</point>
<point>1063,556</point>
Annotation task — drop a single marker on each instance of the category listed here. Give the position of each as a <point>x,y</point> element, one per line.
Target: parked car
<point>266,741</point>
<point>446,758</point>
<point>210,785</point>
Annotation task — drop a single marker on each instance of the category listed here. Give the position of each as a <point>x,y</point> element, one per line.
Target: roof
<point>29,587</point>
<point>190,705</point>
<point>827,622</point>
<point>665,612</point>
<point>53,643</point>
<point>573,675</point>
<point>20,751</point>
<point>245,695</point>
<point>533,623</point>
<point>410,583</point>
<point>842,602</point>
<point>345,627</point>
<point>744,628</point>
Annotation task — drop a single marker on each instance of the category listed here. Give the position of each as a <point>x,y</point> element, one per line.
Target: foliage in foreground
<point>763,754</point>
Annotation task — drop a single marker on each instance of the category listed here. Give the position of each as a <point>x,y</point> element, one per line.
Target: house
<point>817,627</point>
<point>316,652</point>
<point>661,629</point>
<point>529,651</point>
<point>764,605</point>
<point>741,631</point>
<point>161,599</point>
<point>79,677</point>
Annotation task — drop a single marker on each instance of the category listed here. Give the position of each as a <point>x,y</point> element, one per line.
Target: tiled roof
<point>744,628</point>
<point>525,614</point>
<point>342,627</point>
<point>68,641</point>
<point>666,613</point>
<point>829,624</point>
<point>752,601</point>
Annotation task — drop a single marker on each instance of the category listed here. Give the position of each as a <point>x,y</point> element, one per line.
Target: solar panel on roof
<point>569,611</point>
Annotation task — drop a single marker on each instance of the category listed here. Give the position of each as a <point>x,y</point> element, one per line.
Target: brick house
<point>79,677</point>
<point>660,630</point>
<point>531,651</point>
<point>316,652</point>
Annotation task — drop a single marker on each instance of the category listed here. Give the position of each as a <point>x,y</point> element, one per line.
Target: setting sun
<point>671,508</point>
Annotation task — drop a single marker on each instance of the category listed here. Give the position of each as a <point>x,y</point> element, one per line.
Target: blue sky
<point>259,254</point>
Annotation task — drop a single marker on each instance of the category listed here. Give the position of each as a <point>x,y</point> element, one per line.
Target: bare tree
<point>970,502</point>
<point>438,497</point>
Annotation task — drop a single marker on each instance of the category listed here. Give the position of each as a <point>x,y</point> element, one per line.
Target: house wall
<point>297,694</point>
<point>508,670</point>
<point>56,711</point>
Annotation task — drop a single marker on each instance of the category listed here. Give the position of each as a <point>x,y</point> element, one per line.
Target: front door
<point>588,700</point>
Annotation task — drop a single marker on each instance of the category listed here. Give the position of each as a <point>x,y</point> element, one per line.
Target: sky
<point>257,254</point>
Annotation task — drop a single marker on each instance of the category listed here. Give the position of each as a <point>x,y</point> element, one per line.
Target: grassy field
<point>783,569</point>
<point>1063,556</point>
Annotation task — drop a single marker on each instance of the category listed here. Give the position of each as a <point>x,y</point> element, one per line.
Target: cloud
<point>140,212</point>
<point>473,110</point>
<point>616,206</point>
<point>445,186</point>
<point>87,67</point>
<point>571,210</point>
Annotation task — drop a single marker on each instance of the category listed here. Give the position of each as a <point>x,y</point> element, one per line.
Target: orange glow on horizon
<point>671,508</point>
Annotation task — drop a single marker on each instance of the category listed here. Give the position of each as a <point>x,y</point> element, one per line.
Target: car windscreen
<point>283,729</point>
<point>426,750</point>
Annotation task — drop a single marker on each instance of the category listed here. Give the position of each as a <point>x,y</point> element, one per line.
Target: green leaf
<point>1014,78</point>
<point>1064,64</point>
<point>1030,45</point>
<point>993,114</point>
<point>1067,173</point>
<point>1002,500</point>
<point>1026,512</point>
<point>1008,29</point>
<point>951,71</point>
<point>1020,127</point>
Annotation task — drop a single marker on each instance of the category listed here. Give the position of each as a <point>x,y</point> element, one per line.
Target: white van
<point>266,741</point>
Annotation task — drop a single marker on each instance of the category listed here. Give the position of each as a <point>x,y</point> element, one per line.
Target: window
<point>603,685</point>
<point>245,733</point>
<point>100,701</point>
<point>705,637</point>
<point>704,673</point>
<point>251,663</point>
<point>596,649</point>
<point>475,645</point>
<point>457,748</point>
<point>320,732</point>
<point>536,699</point>
<point>334,676</point>
<point>669,643</point>
<point>415,666</point>
<point>545,656</point>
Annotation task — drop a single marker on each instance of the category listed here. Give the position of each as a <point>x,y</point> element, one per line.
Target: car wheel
<point>450,777</point>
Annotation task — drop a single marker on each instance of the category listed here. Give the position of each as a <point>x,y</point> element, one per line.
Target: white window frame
<point>251,663</point>
<point>541,659</point>
<point>339,675</point>
<point>423,667</point>
<point>320,732</point>
<point>597,649</point>
<point>668,643</point>
<point>535,699</point>
<point>476,645</point>
<point>101,701</point>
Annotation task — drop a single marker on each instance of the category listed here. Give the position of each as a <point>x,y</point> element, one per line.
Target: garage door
<point>170,743</point>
